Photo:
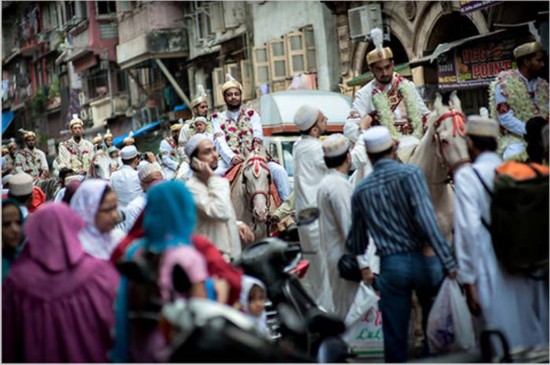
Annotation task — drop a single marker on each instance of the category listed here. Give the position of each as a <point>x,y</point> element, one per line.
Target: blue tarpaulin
<point>118,140</point>
<point>7,118</point>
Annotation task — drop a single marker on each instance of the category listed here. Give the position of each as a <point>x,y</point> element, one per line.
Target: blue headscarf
<point>8,260</point>
<point>169,217</point>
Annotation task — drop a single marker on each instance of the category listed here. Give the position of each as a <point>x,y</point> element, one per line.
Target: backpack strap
<point>486,187</point>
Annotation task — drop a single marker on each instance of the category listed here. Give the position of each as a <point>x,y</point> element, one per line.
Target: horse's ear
<point>454,101</point>
<point>438,103</point>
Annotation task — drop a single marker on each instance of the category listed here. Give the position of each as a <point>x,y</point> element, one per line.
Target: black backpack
<point>519,217</point>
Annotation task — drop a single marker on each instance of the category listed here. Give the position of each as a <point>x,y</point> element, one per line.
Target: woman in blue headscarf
<point>169,220</point>
<point>12,233</point>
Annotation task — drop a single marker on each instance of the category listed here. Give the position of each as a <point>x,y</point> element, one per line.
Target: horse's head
<point>256,178</point>
<point>448,126</point>
<point>101,166</point>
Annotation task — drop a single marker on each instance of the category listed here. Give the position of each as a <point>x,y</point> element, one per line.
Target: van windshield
<point>287,157</point>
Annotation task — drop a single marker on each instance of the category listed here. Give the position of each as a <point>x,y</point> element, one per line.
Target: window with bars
<point>105,7</point>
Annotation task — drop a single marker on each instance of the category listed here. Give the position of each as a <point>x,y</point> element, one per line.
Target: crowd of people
<point>64,301</point>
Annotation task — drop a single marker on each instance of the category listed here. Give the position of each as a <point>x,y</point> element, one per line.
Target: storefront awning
<point>118,140</point>
<point>446,47</point>
<point>7,118</point>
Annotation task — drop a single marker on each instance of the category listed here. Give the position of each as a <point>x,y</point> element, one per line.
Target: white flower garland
<point>519,100</point>
<point>382,105</point>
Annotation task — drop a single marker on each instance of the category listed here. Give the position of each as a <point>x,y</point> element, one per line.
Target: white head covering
<point>377,139</point>
<point>200,119</point>
<point>247,282</point>
<point>193,143</point>
<point>128,152</point>
<point>335,145</point>
<point>147,170</point>
<point>305,117</point>
<point>86,202</point>
<point>20,184</point>
<point>482,127</point>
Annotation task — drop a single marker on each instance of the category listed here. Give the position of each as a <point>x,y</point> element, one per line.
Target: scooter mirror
<point>307,216</point>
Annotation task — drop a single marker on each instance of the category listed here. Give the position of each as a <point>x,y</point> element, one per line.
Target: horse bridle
<point>459,127</point>
<point>258,162</point>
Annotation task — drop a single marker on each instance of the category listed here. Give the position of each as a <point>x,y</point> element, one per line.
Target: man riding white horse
<point>389,100</point>
<point>238,128</point>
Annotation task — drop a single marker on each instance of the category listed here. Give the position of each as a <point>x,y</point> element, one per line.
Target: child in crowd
<point>253,296</point>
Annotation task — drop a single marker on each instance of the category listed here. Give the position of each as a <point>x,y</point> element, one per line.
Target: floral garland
<point>525,108</point>
<point>382,105</point>
<point>239,134</point>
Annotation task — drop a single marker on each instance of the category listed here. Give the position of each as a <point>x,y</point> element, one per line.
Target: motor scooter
<point>302,324</point>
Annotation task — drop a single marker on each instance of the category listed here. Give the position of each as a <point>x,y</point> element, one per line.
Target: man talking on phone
<point>216,215</point>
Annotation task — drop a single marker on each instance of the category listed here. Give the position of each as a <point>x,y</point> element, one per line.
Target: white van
<point>280,132</point>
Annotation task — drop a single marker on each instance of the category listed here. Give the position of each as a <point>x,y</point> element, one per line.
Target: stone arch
<point>429,16</point>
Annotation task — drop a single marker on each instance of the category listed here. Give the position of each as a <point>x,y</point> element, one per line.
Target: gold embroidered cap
<point>230,83</point>
<point>130,139</point>
<point>108,134</point>
<point>76,120</point>
<point>482,127</point>
<point>527,49</point>
<point>335,145</point>
<point>27,134</point>
<point>176,127</point>
<point>379,53</point>
<point>97,139</point>
<point>200,97</point>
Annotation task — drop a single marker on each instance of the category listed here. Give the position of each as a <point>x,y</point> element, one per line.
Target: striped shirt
<point>393,204</point>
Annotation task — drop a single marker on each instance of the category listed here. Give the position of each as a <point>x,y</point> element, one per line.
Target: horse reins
<point>459,127</point>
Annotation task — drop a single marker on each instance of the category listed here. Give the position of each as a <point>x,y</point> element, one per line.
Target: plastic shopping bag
<point>364,324</point>
<point>450,327</point>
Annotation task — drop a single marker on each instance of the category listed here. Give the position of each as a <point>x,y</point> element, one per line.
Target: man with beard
<point>216,216</point>
<point>9,158</point>
<point>239,129</point>
<point>169,154</point>
<point>516,96</point>
<point>76,153</point>
<point>389,100</point>
<point>31,159</point>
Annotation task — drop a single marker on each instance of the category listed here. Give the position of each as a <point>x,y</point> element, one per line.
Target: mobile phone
<point>195,163</point>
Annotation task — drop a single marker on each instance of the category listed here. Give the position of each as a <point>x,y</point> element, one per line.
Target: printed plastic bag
<point>450,327</point>
<point>365,298</point>
<point>364,324</point>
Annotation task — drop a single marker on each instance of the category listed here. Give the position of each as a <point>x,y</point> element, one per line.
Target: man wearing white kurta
<point>334,203</point>
<point>169,154</point>
<point>309,170</point>
<point>76,153</point>
<point>495,298</point>
<point>389,99</point>
<point>216,215</point>
<point>125,181</point>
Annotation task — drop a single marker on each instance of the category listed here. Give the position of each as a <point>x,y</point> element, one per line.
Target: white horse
<point>100,167</point>
<point>439,153</point>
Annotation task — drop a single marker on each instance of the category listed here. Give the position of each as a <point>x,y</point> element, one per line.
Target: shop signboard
<point>475,64</point>
<point>468,6</point>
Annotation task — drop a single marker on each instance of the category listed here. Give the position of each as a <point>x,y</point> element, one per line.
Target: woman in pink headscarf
<point>57,301</point>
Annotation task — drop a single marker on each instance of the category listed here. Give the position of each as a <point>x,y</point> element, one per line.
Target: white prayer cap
<point>147,170</point>
<point>20,184</point>
<point>193,143</point>
<point>71,178</point>
<point>335,145</point>
<point>200,119</point>
<point>305,117</point>
<point>482,127</point>
<point>377,139</point>
<point>128,152</point>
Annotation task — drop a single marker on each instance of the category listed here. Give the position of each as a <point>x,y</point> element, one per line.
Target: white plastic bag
<point>365,298</point>
<point>364,324</point>
<point>450,327</point>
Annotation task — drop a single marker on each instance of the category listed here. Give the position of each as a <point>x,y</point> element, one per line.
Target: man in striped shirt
<point>393,205</point>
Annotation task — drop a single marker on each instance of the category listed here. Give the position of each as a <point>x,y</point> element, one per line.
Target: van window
<point>288,158</point>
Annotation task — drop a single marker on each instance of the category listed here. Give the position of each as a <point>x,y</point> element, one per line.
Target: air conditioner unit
<point>363,19</point>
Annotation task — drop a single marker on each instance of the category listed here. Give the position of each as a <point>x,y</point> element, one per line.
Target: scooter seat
<point>325,324</point>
